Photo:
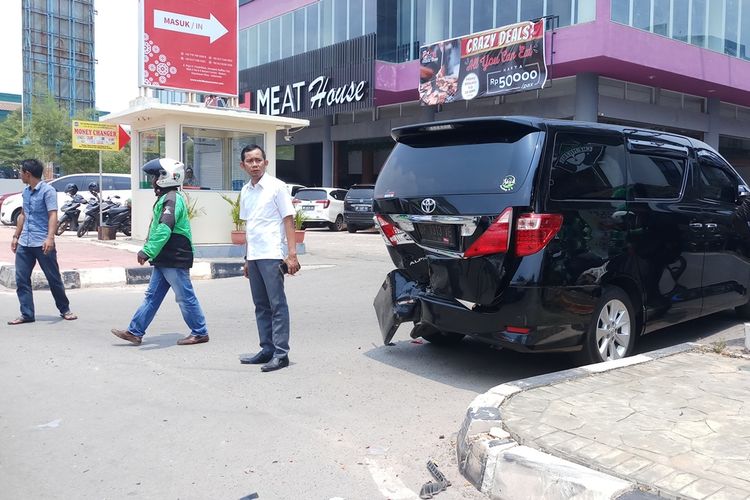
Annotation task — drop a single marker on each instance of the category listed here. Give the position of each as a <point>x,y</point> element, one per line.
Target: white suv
<point>113,185</point>
<point>322,207</point>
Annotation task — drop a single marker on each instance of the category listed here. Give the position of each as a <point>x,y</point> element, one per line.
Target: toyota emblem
<point>428,205</point>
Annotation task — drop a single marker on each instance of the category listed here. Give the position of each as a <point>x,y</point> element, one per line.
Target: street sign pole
<point>101,187</point>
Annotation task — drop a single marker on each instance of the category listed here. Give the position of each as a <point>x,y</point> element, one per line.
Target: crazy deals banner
<point>489,63</point>
<point>189,45</point>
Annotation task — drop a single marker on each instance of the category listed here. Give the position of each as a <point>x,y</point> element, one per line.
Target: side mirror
<point>742,192</point>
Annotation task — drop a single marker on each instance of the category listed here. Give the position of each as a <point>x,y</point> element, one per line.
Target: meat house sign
<point>301,96</point>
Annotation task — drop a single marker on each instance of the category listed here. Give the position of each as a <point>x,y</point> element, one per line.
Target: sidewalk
<point>89,262</point>
<point>673,423</point>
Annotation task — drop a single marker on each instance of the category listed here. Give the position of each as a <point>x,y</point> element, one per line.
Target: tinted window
<point>311,194</point>
<point>587,167</point>
<point>656,177</point>
<point>360,193</point>
<point>443,163</point>
<point>78,180</point>
<point>122,183</point>
<point>715,182</point>
<point>338,195</point>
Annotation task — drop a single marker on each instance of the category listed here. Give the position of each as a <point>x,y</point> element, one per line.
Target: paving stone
<point>723,445</point>
<point>676,481</point>
<point>739,469</point>
<point>653,473</point>
<point>692,429</point>
<point>640,422</point>
<point>630,466</point>
<point>594,450</point>
<point>661,442</point>
<point>727,493</point>
<point>553,439</point>
<point>700,489</point>
<point>522,403</point>
<point>613,458</point>
<point>572,445</point>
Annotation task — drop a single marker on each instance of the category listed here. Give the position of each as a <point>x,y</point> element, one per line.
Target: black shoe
<point>258,359</point>
<point>275,364</point>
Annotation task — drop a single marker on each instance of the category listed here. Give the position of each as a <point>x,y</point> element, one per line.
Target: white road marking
<point>389,485</point>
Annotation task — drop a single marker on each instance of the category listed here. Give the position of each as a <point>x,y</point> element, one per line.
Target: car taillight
<point>325,203</point>
<point>534,231</point>
<point>392,234</point>
<point>495,238</point>
<point>295,201</point>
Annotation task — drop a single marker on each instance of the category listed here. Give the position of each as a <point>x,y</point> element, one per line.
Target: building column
<point>327,156</point>
<point>587,97</point>
<point>711,137</point>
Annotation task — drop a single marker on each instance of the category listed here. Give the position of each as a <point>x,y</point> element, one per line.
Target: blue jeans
<point>162,278</point>
<point>26,258</point>
<point>271,310</point>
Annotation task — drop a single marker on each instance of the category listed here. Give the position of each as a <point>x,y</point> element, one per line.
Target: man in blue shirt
<point>34,241</point>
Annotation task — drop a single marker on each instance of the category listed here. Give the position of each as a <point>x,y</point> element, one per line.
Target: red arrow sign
<point>122,137</point>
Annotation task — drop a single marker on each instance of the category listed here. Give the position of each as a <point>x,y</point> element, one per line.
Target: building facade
<point>675,65</point>
<point>58,52</point>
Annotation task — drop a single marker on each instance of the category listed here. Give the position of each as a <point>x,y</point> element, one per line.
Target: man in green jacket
<point>169,249</point>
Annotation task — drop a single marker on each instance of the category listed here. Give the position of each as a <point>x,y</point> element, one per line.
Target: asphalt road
<point>82,415</point>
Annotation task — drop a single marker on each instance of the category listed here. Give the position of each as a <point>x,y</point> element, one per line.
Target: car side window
<point>715,181</point>
<point>338,194</point>
<point>587,167</point>
<point>656,177</point>
<point>121,183</point>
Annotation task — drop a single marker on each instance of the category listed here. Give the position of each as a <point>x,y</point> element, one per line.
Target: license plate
<point>443,235</point>
<point>308,207</point>
<point>361,208</point>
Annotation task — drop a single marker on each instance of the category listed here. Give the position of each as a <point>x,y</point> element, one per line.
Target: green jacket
<point>169,242</point>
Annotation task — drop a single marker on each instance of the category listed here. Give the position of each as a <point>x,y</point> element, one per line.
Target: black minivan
<point>551,235</point>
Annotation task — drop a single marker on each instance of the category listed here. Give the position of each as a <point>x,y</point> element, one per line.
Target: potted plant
<point>299,229</point>
<point>238,234</point>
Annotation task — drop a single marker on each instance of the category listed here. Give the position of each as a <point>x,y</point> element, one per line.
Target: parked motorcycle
<point>113,213</point>
<point>70,210</point>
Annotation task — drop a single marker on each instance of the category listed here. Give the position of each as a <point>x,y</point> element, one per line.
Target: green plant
<point>235,212</point>
<point>299,219</point>
<point>192,207</point>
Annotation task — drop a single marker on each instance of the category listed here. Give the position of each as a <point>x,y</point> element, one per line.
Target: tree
<point>11,136</point>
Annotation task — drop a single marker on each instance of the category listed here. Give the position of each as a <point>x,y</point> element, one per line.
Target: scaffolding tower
<point>58,52</point>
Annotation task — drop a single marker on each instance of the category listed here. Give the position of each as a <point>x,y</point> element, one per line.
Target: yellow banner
<point>95,136</point>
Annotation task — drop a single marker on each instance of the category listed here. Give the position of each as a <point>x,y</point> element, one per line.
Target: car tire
<point>612,332</point>
<point>443,338</point>
<point>14,217</point>
<point>351,228</point>
<point>338,225</point>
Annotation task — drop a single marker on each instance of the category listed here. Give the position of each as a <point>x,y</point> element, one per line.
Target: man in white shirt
<point>266,207</point>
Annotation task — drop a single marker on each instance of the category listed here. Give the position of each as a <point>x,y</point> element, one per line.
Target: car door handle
<point>695,225</point>
<point>710,225</point>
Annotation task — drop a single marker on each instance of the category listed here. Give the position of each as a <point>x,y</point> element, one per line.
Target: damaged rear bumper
<point>556,317</point>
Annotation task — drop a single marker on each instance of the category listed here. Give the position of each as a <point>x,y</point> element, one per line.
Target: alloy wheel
<point>613,330</point>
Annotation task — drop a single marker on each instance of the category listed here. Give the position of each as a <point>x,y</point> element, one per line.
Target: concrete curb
<point>117,276</point>
<point>493,460</point>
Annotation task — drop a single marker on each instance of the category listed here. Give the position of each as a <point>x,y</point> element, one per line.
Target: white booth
<point>208,141</point>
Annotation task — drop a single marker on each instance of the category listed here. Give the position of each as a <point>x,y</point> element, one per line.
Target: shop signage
<point>98,136</point>
<point>489,63</point>
<point>321,82</point>
<point>189,45</point>
<point>299,96</point>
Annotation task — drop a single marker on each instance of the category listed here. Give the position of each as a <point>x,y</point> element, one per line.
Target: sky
<point>116,51</point>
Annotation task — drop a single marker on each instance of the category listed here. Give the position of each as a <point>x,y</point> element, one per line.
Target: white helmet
<point>168,172</point>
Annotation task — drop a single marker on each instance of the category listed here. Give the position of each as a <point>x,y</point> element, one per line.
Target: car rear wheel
<point>611,334</point>
<point>351,228</point>
<point>338,225</point>
<point>14,217</point>
<point>435,336</point>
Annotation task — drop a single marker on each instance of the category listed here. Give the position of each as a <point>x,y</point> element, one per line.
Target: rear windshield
<point>360,193</point>
<point>311,194</point>
<point>434,166</point>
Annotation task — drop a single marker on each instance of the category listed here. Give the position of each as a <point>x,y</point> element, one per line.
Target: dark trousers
<point>26,258</point>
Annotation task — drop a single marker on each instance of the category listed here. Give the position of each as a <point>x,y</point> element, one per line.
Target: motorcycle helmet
<point>94,187</point>
<point>71,189</point>
<point>168,172</point>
